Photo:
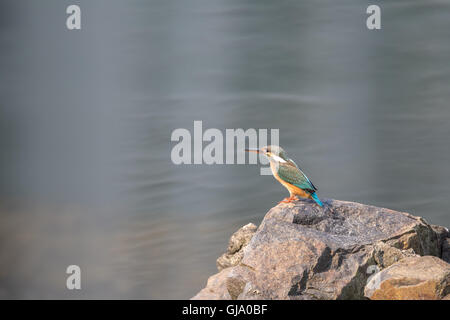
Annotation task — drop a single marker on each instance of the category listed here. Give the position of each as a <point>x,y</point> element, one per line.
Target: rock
<point>446,250</point>
<point>216,288</point>
<point>301,251</point>
<point>412,278</point>
<point>442,234</point>
<point>237,243</point>
<point>385,255</point>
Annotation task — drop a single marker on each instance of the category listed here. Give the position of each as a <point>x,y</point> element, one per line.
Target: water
<point>86,119</point>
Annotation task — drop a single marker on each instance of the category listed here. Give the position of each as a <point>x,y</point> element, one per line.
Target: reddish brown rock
<point>302,251</point>
<point>412,278</point>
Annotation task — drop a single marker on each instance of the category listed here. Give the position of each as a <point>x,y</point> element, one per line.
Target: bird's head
<point>274,153</point>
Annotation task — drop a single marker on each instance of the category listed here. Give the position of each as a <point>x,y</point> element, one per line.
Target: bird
<point>286,171</point>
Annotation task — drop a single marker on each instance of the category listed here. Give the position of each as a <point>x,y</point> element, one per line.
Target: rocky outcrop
<point>301,251</point>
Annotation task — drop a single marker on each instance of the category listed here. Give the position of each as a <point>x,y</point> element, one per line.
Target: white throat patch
<point>277,158</point>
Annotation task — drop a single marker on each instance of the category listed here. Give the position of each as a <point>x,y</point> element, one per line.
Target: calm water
<point>86,118</point>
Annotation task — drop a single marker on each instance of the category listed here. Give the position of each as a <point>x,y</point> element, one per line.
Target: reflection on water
<point>86,119</point>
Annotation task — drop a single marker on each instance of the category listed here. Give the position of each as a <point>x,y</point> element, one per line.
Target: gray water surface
<point>86,119</point>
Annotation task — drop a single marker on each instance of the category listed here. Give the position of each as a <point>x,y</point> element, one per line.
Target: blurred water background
<point>86,118</point>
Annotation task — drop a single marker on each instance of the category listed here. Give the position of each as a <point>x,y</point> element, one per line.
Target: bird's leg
<point>289,200</point>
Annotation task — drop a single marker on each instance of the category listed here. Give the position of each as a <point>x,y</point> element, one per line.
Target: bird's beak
<point>253,150</point>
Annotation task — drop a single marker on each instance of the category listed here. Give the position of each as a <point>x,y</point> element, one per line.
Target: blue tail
<point>316,199</point>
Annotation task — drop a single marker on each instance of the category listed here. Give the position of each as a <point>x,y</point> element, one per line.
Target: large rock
<point>302,251</point>
<point>412,278</point>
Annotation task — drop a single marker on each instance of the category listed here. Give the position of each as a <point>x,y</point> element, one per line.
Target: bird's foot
<point>289,200</point>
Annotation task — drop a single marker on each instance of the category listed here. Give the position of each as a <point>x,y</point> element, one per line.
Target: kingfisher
<point>289,174</point>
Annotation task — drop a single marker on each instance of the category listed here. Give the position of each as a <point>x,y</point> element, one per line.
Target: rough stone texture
<point>442,234</point>
<point>216,288</point>
<point>302,251</point>
<point>446,250</point>
<point>237,243</point>
<point>385,255</point>
<point>412,278</point>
